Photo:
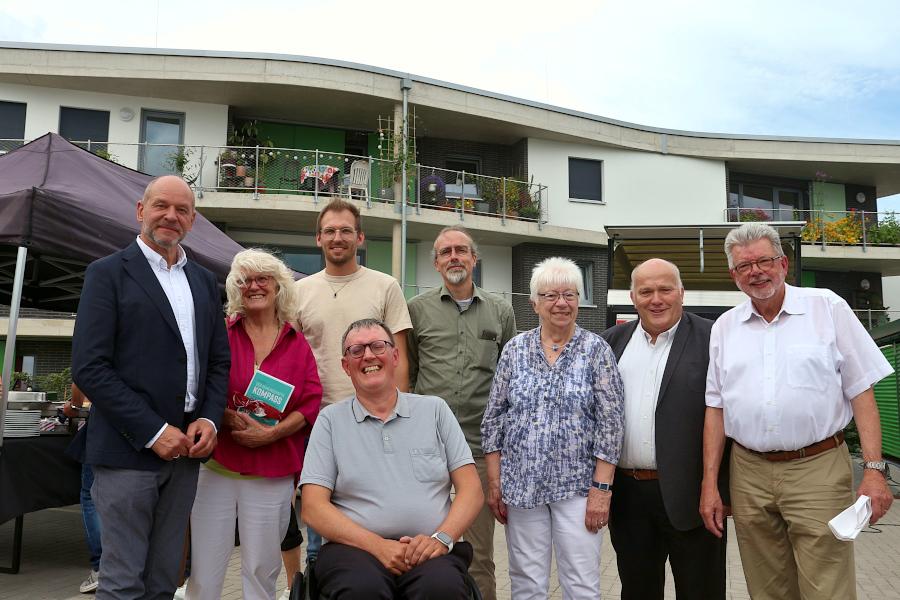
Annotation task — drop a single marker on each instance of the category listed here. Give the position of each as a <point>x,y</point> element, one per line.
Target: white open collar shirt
<point>787,384</point>
<point>178,291</point>
<point>641,366</point>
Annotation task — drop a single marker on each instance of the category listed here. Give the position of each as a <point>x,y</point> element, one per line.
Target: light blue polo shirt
<point>391,477</point>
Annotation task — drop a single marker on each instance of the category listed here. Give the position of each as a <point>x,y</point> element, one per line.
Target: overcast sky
<point>823,68</point>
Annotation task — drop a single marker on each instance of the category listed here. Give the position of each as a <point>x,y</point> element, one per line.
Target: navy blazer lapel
<point>199,293</point>
<point>139,269</point>
<point>621,341</point>
<point>675,352</point>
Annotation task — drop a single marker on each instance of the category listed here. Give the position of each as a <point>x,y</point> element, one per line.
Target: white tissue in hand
<point>847,525</point>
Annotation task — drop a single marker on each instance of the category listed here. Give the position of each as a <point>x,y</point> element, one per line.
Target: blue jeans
<point>313,543</point>
<point>90,517</point>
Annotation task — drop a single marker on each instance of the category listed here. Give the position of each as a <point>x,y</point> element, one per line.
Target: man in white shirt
<point>788,370</point>
<point>150,351</point>
<point>662,358</point>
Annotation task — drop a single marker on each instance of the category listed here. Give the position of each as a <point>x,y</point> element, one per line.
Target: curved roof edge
<point>430,81</point>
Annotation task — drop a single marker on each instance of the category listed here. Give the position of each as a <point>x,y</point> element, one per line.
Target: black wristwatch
<point>602,486</point>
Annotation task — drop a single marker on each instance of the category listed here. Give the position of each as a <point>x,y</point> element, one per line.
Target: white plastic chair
<point>358,179</point>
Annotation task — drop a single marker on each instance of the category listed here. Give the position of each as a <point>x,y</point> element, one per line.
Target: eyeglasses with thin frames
<point>261,281</point>
<point>330,232</point>
<point>551,297</point>
<point>378,347</point>
<point>763,264</point>
<point>448,250</point>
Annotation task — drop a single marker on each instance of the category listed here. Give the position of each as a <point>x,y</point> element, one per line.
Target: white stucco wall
<point>496,269</point>
<point>890,287</point>
<point>205,124</point>
<point>639,188</point>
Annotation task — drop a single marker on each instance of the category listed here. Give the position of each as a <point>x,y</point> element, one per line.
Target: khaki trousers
<point>781,514</point>
<point>481,536</point>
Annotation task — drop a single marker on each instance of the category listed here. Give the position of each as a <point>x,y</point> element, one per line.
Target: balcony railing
<point>322,175</point>
<point>828,227</point>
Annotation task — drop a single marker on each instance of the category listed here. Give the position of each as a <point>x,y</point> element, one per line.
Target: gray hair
<point>255,260</point>
<point>749,233</point>
<point>556,272</point>
<point>366,324</point>
<point>668,262</point>
<point>472,245</point>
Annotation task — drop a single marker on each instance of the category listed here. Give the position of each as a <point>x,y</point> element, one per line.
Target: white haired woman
<point>551,434</point>
<point>253,471</point>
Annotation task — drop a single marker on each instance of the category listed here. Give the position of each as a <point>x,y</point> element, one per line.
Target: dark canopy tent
<point>62,207</point>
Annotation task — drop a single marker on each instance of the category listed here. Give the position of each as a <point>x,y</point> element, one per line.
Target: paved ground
<point>55,561</point>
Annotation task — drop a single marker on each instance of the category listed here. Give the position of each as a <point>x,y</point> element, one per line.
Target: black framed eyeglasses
<point>763,264</point>
<point>377,347</point>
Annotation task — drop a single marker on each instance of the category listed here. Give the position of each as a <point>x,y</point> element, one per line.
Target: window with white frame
<point>587,280</point>
<point>585,179</point>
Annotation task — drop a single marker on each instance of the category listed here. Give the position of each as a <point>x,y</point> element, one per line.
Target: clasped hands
<point>197,442</point>
<point>399,556</point>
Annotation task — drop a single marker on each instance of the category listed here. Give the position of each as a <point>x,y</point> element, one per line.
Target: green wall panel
<point>888,408</point>
<point>829,197</point>
<point>285,135</point>
<point>808,279</point>
<point>378,257</point>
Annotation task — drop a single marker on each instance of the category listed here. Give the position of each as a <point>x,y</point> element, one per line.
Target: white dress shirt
<point>787,384</point>
<point>178,291</point>
<point>641,366</point>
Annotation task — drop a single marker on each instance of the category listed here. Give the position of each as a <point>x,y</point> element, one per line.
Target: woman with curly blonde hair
<point>253,471</point>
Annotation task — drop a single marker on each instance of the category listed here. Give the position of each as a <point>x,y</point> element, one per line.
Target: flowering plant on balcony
<point>846,230</point>
<point>753,214</point>
<point>470,204</point>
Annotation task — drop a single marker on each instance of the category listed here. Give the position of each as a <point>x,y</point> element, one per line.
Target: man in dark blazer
<point>663,358</point>
<point>150,351</point>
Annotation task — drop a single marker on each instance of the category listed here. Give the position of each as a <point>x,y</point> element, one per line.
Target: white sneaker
<point>90,584</point>
<point>180,592</point>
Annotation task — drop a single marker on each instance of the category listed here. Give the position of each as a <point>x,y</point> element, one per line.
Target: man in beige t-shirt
<point>345,292</point>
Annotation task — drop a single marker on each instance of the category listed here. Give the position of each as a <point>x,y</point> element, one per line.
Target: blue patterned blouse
<point>549,422</point>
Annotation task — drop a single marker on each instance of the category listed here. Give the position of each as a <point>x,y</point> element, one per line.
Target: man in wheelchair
<point>376,484</point>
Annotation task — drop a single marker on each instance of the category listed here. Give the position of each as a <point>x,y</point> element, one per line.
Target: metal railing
<point>322,174</point>
<point>824,227</point>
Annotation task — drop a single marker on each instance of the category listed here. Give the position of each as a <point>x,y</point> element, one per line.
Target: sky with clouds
<point>820,68</point>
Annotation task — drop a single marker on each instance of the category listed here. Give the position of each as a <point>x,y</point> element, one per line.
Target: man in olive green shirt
<point>457,335</point>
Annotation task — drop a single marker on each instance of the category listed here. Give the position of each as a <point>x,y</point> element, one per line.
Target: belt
<point>639,474</point>
<point>811,450</point>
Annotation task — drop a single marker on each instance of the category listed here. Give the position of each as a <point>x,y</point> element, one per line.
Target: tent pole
<point>11,334</point>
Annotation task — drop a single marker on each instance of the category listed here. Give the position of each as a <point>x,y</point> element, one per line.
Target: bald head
<point>172,183</point>
<point>658,295</point>
<point>656,265</point>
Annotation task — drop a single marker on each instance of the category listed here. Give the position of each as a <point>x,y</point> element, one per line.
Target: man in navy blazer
<point>655,511</point>
<point>151,352</point>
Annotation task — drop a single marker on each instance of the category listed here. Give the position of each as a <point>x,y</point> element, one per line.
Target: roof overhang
<point>697,250</point>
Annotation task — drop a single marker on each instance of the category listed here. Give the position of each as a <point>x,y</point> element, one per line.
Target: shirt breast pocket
<point>808,367</point>
<point>487,352</point>
<point>428,464</point>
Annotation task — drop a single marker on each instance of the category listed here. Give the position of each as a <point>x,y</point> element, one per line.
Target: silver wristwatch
<point>878,465</point>
<point>443,538</point>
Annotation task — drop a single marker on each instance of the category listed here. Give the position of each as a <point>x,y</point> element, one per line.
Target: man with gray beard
<point>457,335</point>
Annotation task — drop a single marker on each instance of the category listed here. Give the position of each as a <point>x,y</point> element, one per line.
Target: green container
<point>886,394</point>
